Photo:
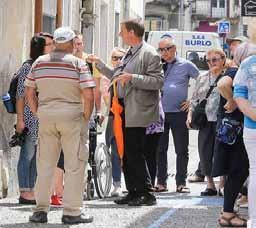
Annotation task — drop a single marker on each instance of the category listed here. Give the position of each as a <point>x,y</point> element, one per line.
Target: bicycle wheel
<point>102,170</point>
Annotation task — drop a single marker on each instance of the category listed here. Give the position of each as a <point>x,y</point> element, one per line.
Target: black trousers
<point>198,172</point>
<point>177,123</point>
<point>206,141</point>
<point>233,184</point>
<point>151,145</point>
<point>135,169</point>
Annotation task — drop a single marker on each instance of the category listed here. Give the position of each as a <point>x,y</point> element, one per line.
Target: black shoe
<point>38,217</point>
<point>124,200</point>
<point>145,200</point>
<point>26,201</point>
<point>209,192</point>
<point>68,219</point>
<point>196,179</point>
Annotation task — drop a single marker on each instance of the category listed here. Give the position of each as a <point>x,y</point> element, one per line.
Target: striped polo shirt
<point>59,78</point>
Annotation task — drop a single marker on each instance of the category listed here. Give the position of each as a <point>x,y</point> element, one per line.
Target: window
<point>214,3</point>
<point>236,2</point>
<point>222,4</point>
<point>245,30</point>
<point>116,29</point>
<point>198,58</point>
<point>48,24</point>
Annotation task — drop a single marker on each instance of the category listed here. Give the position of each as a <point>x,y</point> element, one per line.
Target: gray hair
<point>243,51</point>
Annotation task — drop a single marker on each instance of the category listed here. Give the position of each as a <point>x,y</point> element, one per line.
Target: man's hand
<point>230,106</point>
<point>100,118</point>
<point>124,78</point>
<point>92,58</point>
<point>188,121</point>
<point>20,125</point>
<point>184,106</point>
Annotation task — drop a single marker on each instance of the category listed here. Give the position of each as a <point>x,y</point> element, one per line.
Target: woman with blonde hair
<point>215,59</point>
<point>116,56</point>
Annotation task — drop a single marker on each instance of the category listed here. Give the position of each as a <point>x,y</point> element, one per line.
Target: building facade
<point>190,15</point>
<point>98,20</point>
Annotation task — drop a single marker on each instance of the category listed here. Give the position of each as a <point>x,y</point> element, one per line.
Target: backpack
<point>14,84</point>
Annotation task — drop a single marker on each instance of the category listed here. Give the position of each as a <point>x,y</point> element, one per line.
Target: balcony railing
<point>219,12</point>
<point>202,8</point>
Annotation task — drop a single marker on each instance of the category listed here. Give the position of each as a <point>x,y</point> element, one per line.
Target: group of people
<point>61,85</point>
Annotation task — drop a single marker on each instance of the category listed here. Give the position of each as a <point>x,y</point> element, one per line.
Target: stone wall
<point>16,27</point>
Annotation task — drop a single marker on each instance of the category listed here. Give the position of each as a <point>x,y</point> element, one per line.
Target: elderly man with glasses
<point>177,72</point>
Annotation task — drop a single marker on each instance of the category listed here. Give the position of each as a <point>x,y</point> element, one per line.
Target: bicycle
<point>100,168</point>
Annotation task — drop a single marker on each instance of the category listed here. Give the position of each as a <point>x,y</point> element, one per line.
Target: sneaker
<point>55,200</point>
<point>195,179</point>
<point>242,201</point>
<point>68,219</point>
<point>39,217</point>
<point>116,191</point>
<point>26,201</point>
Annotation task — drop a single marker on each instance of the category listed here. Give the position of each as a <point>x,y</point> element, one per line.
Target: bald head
<point>66,47</point>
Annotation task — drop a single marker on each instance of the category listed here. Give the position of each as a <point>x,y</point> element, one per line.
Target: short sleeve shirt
<point>59,77</point>
<point>245,86</point>
<point>175,89</point>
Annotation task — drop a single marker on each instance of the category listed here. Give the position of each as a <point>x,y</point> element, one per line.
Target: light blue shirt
<point>245,86</point>
<point>175,89</point>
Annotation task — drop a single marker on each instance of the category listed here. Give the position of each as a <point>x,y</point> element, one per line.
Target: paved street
<point>173,209</point>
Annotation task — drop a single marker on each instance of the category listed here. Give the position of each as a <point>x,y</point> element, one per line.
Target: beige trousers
<point>72,137</point>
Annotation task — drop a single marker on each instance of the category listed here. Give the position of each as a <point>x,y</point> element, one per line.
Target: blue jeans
<point>116,164</point>
<point>27,165</point>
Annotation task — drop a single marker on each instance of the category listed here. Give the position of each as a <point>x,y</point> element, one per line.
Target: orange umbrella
<point>117,109</point>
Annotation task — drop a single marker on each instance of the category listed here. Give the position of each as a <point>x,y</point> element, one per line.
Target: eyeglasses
<point>213,60</point>
<point>49,44</point>
<point>116,58</point>
<point>165,49</point>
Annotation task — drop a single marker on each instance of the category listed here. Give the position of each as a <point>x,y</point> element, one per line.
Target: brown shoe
<point>195,179</point>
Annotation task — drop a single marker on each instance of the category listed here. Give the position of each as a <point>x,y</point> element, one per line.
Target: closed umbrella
<point>117,109</point>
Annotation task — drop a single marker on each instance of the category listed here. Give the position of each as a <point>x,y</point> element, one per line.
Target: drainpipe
<point>59,13</point>
<point>38,16</point>
<point>181,16</point>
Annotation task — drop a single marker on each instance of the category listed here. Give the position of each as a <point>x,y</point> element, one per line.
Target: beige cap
<point>237,38</point>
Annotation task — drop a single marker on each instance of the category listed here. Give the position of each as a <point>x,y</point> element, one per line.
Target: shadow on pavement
<point>179,218</point>
<point>10,205</point>
<point>33,225</point>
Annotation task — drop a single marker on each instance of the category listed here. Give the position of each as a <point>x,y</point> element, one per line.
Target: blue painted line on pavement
<point>163,218</point>
<point>207,201</point>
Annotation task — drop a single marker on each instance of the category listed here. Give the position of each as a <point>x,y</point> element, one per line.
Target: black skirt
<point>229,158</point>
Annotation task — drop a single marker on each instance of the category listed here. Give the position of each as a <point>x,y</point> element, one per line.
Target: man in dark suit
<point>139,79</point>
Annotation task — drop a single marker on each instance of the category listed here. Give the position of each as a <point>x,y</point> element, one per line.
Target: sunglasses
<point>116,58</point>
<point>213,60</point>
<point>165,49</point>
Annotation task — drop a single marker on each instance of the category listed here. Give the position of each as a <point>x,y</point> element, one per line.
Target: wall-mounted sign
<point>248,8</point>
<point>224,27</point>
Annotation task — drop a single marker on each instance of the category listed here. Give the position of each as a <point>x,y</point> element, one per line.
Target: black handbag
<point>199,118</point>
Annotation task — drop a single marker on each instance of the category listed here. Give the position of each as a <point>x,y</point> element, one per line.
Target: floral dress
<point>31,121</point>
<point>202,86</point>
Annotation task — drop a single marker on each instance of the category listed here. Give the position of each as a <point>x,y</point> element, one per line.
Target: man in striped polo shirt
<point>65,102</point>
